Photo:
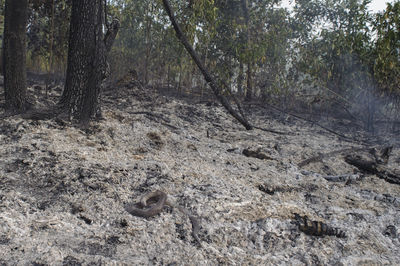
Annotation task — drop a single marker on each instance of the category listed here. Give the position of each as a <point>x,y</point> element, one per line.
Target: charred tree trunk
<point>14,55</point>
<point>87,59</point>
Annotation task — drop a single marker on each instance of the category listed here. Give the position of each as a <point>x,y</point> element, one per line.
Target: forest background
<point>335,55</point>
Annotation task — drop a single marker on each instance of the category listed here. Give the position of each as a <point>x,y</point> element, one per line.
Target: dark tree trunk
<point>14,55</point>
<point>87,59</point>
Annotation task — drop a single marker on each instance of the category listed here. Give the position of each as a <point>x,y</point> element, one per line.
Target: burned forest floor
<point>63,189</point>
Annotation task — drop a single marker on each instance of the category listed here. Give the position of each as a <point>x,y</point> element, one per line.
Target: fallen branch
<point>381,158</point>
<point>153,117</point>
<point>150,114</point>
<point>374,168</point>
<point>313,122</point>
<point>342,178</point>
<point>272,131</point>
<point>335,178</point>
<point>256,154</point>
<point>322,156</point>
<point>207,76</point>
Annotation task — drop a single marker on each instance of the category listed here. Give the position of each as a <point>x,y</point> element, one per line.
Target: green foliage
<point>338,54</point>
<point>218,31</point>
<point>349,54</point>
<point>387,50</point>
<point>46,40</point>
<point>338,45</point>
<point>144,40</point>
<point>272,53</point>
<point>346,49</point>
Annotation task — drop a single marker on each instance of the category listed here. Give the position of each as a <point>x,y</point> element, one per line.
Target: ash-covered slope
<point>62,190</point>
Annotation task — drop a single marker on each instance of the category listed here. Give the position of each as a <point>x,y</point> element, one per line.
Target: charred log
<point>316,228</point>
<point>372,167</point>
<point>256,154</point>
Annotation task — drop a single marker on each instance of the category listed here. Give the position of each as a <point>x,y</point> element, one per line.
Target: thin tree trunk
<point>249,90</point>
<point>50,69</point>
<point>14,55</point>
<point>203,86</point>
<point>240,80</point>
<point>168,70</point>
<point>148,43</point>
<point>180,77</point>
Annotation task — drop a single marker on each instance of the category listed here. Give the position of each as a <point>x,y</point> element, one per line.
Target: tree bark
<point>14,55</point>
<point>87,59</point>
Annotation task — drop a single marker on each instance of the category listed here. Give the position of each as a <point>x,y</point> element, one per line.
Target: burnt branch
<point>207,76</point>
<point>344,137</point>
<point>372,167</point>
<point>320,157</point>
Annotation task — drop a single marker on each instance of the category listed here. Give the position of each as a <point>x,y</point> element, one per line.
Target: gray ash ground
<point>62,190</point>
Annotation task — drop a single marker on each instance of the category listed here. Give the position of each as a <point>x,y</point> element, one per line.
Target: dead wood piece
<point>362,164</point>
<point>154,117</point>
<point>388,199</point>
<point>314,122</point>
<point>320,157</point>
<point>271,190</point>
<point>381,157</point>
<point>164,124</point>
<point>372,167</point>
<point>342,178</point>
<point>385,154</point>
<point>313,159</point>
<point>316,228</point>
<point>256,154</point>
<point>348,178</point>
<point>159,116</point>
<point>272,131</point>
